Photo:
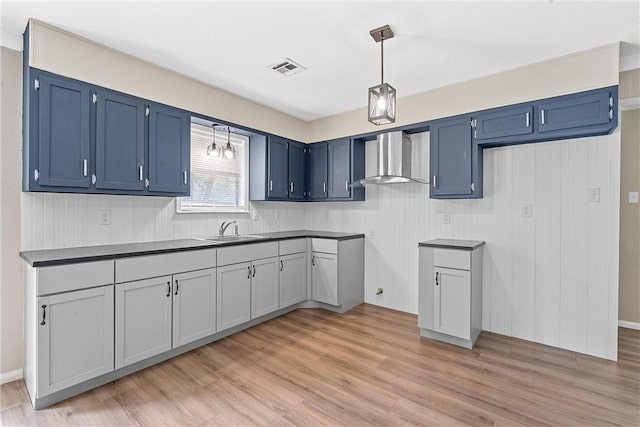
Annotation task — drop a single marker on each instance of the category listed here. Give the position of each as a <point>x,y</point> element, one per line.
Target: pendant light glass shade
<point>212,149</point>
<point>229,150</point>
<point>382,104</point>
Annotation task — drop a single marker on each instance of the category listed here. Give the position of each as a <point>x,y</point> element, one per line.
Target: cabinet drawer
<point>248,252</point>
<point>292,246</point>
<point>452,258</point>
<point>64,278</point>
<point>329,246</point>
<point>136,268</point>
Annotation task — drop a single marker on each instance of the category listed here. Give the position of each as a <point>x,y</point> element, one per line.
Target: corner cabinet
<point>450,291</point>
<point>335,167</point>
<point>455,160</point>
<point>82,138</point>
<point>317,170</point>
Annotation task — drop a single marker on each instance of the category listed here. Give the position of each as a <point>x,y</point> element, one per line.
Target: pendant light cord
<point>381,57</point>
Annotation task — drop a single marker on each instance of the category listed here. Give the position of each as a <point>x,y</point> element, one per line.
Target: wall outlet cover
<point>446,217</point>
<point>594,194</point>
<point>633,197</point>
<point>254,215</point>
<point>526,211</point>
<point>105,217</point>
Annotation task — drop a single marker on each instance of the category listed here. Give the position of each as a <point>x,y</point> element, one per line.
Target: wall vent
<point>287,67</point>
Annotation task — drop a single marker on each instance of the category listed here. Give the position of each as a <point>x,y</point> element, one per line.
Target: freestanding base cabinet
<point>450,290</point>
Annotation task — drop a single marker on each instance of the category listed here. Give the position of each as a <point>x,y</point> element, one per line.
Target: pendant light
<point>382,98</point>
<point>229,150</point>
<point>212,149</point>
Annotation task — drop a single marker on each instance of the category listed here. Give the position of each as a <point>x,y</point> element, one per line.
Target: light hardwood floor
<point>367,367</point>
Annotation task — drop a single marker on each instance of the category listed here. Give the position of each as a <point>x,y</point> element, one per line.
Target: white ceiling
<point>230,44</point>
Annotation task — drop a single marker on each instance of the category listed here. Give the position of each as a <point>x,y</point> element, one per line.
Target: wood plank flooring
<point>366,367</point>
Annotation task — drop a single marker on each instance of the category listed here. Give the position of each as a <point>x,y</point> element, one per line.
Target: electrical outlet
<point>633,197</point>
<point>105,217</point>
<point>446,218</point>
<point>594,194</point>
<point>372,234</point>
<point>254,215</point>
<point>526,211</point>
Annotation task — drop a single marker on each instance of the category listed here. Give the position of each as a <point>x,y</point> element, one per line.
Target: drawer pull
<point>281,265</point>
<point>249,274</point>
<point>44,314</point>
<point>437,279</point>
<point>313,260</point>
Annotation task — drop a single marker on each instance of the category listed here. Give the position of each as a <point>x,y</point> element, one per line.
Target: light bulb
<point>382,104</point>
<point>213,151</point>
<point>228,152</point>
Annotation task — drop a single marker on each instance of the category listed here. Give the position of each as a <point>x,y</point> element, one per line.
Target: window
<point>218,184</point>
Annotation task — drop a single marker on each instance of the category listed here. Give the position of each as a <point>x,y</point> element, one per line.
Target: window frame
<point>180,208</point>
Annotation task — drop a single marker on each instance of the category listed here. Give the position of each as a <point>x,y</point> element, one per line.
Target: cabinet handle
<point>270,185</point>
<point>313,260</point>
<point>84,167</point>
<point>542,117</point>
<point>281,265</point>
<point>254,271</point>
<point>168,289</point>
<point>437,279</point>
<point>435,181</point>
<point>324,187</point>
<point>528,120</point>
<point>346,186</point>
<point>177,287</point>
<point>140,173</point>
<point>249,274</point>
<point>44,314</point>
<point>184,177</point>
<point>291,187</point>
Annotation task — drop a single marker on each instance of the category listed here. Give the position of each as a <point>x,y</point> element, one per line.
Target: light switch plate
<point>105,217</point>
<point>633,197</point>
<point>446,217</point>
<point>594,194</point>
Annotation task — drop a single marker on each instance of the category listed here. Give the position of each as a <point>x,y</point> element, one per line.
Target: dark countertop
<point>467,245</point>
<point>49,257</point>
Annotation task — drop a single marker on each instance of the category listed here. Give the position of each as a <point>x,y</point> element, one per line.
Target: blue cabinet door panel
<point>64,133</point>
<point>574,111</point>
<point>278,164</point>
<point>339,168</point>
<point>169,140</point>
<point>451,157</point>
<point>317,171</point>
<point>297,187</point>
<point>504,123</point>
<point>119,142</point>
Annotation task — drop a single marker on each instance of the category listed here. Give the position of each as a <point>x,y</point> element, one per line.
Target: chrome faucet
<point>224,226</point>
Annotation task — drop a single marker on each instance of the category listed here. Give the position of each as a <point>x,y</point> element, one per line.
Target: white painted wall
<point>551,279</point>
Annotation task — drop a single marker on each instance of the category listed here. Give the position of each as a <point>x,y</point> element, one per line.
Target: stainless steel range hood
<point>393,164</point>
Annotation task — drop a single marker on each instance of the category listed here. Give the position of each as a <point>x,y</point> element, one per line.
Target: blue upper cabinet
<point>503,123</point>
<point>455,160</point>
<point>297,157</point>
<point>169,145</point>
<point>339,168</point>
<point>63,133</point>
<point>119,142</point>
<point>573,114</point>
<point>317,171</point>
<point>278,168</point>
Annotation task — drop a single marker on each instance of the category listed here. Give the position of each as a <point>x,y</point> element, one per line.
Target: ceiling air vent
<point>287,67</point>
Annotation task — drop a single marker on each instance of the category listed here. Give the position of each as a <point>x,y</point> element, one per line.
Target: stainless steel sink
<point>230,238</point>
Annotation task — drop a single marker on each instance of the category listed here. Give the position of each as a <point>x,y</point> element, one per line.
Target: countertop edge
<point>202,245</point>
<point>449,246</point>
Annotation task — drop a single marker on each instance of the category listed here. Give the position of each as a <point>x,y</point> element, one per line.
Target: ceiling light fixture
<point>382,98</point>
<point>212,149</point>
<point>229,150</point>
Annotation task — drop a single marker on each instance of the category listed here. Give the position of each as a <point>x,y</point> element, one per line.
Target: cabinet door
<point>278,163</point>
<point>264,287</point>
<point>293,279</point>
<point>194,306</point>
<point>169,140</point>
<point>75,338</point>
<point>297,187</point>
<point>452,302</point>
<point>339,168</point>
<point>324,278</point>
<point>119,142</point>
<point>143,319</point>
<point>451,161</point>
<point>575,111</point>
<point>505,122</point>
<point>317,170</point>
<point>234,295</point>
<point>63,133</point>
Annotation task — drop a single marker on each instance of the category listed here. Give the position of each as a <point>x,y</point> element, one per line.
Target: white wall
<point>551,279</point>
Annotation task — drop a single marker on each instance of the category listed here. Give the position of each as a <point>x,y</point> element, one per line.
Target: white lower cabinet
<point>452,302</point>
<point>293,279</point>
<point>234,295</point>
<point>156,315</point>
<point>143,319</point>
<point>264,287</point>
<point>324,278</point>
<point>74,338</point>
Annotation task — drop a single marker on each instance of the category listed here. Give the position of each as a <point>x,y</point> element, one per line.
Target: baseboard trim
<point>629,325</point>
<point>7,377</point>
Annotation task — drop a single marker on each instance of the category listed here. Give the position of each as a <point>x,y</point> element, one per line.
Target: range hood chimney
<point>393,164</point>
